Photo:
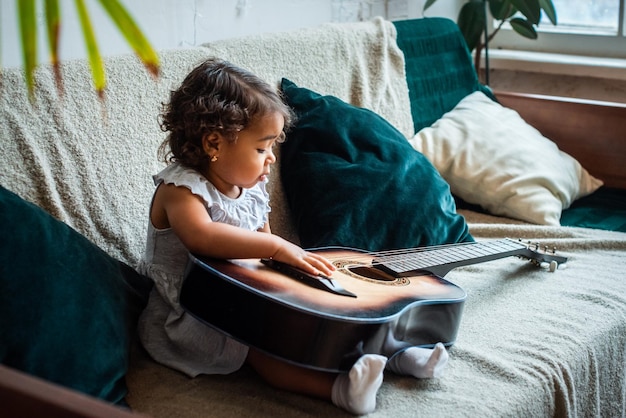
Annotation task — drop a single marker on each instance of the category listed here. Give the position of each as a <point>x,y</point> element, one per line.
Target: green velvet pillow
<point>353,180</point>
<point>67,309</point>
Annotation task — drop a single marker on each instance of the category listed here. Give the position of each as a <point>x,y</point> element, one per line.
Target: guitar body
<point>312,327</point>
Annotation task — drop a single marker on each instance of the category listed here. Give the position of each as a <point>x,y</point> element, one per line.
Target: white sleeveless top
<point>171,336</point>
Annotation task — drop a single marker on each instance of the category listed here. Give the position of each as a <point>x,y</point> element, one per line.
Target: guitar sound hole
<point>370,273</point>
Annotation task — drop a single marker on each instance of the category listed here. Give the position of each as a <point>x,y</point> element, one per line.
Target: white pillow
<point>491,157</point>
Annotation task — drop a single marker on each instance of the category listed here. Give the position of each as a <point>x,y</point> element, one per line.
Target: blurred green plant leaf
<point>501,9</point>
<point>471,21</point>
<point>53,24</point>
<point>428,4</point>
<point>548,7</point>
<point>28,33</point>
<point>27,17</point>
<point>523,27</point>
<point>529,8</point>
<point>93,53</point>
<point>133,35</point>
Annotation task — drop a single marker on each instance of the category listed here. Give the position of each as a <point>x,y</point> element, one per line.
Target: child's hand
<point>304,260</point>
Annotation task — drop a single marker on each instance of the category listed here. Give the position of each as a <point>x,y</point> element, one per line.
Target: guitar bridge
<point>320,282</point>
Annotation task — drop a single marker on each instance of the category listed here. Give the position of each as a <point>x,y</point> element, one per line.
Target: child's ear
<point>211,143</point>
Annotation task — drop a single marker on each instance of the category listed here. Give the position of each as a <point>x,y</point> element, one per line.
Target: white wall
<point>178,23</point>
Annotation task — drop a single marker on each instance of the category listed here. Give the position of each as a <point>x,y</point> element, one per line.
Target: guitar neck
<point>442,259</point>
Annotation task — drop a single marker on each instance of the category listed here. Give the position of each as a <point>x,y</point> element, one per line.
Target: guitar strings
<point>425,258</point>
<point>365,256</point>
<point>435,255</point>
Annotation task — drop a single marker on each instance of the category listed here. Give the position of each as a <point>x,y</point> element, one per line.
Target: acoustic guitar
<point>376,302</point>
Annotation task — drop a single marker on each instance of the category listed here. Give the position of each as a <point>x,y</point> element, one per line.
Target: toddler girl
<point>222,125</point>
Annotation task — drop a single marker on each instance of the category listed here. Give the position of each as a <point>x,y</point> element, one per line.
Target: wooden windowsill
<point>549,63</point>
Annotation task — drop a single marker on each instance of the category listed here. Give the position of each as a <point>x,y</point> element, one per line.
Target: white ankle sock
<point>420,362</point>
<point>356,390</point>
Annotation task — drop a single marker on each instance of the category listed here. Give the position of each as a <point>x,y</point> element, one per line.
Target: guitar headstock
<point>543,256</point>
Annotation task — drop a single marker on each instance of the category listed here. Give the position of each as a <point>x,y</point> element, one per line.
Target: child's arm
<point>185,213</point>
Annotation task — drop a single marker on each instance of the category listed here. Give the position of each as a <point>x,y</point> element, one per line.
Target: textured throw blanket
<point>89,162</point>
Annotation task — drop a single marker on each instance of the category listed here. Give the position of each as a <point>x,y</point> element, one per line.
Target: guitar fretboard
<point>440,260</point>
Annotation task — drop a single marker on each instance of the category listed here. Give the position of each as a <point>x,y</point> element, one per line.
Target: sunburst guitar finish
<point>376,303</point>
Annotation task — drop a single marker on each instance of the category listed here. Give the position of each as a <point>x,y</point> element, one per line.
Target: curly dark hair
<point>215,96</point>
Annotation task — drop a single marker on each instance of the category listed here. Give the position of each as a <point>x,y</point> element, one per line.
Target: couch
<point>76,186</point>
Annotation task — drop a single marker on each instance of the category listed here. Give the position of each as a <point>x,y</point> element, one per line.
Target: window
<point>585,27</point>
<point>600,17</point>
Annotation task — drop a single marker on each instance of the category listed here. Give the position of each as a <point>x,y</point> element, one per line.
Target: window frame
<point>553,41</point>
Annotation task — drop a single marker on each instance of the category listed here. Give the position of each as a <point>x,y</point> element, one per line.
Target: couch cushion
<point>439,67</point>
<point>67,309</point>
<point>491,157</point>
<point>603,209</point>
<point>353,180</point>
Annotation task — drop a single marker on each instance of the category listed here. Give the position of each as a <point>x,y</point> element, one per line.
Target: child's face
<point>247,161</point>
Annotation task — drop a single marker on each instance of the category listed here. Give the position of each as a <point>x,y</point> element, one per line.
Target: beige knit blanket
<point>89,163</point>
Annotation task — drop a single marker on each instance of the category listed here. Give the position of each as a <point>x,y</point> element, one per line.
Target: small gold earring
<point>214,158</point>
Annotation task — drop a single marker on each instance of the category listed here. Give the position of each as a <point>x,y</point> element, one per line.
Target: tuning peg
<point>553,266</point>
